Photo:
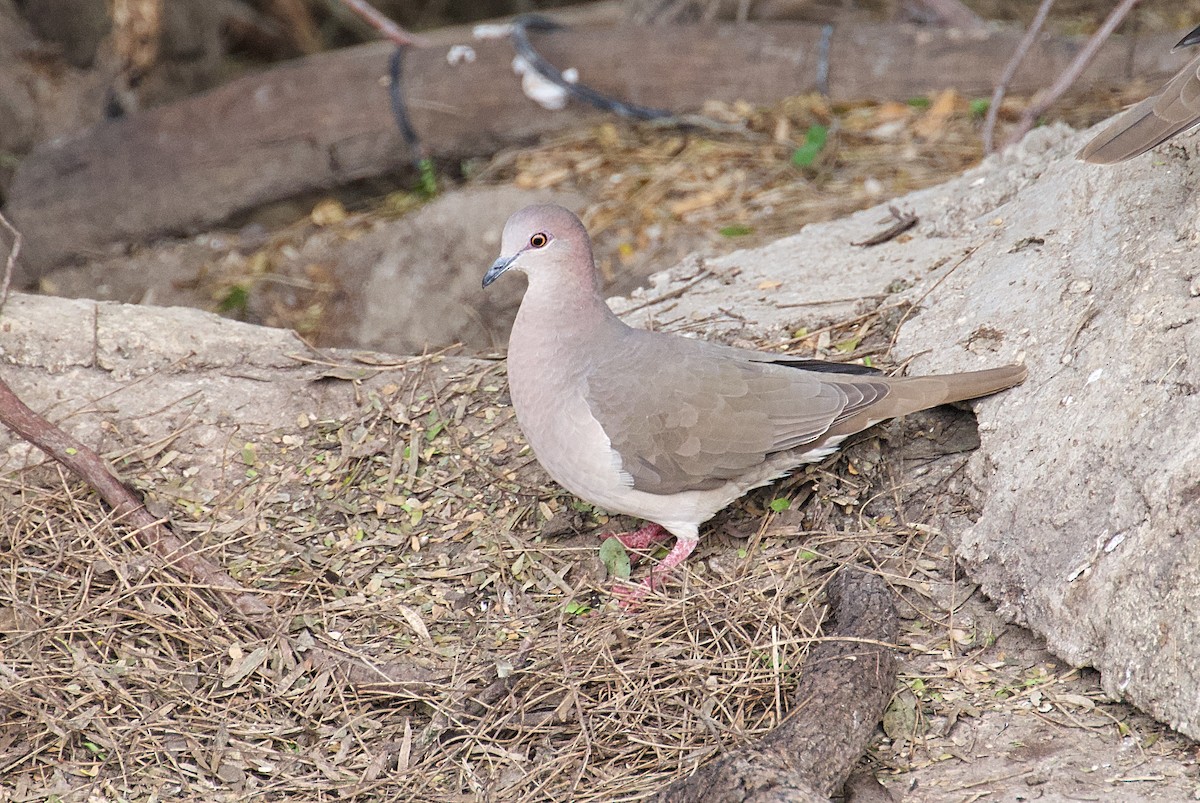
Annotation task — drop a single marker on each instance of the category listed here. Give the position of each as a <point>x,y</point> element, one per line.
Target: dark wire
<point>520,39</point>
<point>823,60</point>
<point>400,110</point>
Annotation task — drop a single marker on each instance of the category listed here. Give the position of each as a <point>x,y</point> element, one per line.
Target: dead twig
<point>1044,100</point>
<point>385,26</point>
<point>85,463</point>
<point>10,263</point>
<point>1010,69</point>
<point>903,222</point>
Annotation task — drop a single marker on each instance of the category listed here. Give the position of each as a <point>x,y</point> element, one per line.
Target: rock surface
<point>1088,482</point>
<point>1092,480</point>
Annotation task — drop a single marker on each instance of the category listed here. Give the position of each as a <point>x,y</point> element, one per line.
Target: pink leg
<point>650,534</point>
<point>629,595</point>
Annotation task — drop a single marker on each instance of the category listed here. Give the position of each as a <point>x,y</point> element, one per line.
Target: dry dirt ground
<point>418,536</point>
<point>419,533</point>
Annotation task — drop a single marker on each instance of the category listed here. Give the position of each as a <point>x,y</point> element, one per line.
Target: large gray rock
<point>1088,482</point>
<point>1091,485</point>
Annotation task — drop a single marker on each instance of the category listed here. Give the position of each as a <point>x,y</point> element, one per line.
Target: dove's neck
<point>565,308</point>
<point>555,339</point>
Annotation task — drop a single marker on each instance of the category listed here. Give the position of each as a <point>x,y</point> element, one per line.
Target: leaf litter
<point>419,536</point>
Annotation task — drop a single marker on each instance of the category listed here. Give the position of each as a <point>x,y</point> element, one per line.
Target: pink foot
<point>649,535</point>
<point>628,596</point>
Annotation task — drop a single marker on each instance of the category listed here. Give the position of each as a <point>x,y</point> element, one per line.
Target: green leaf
<point>806,555</point>
<point>867,362</point>
<point>428,184</point>
<point>918,103</point>
<point>249,455</point>
<point>780,504</point>
<point>743,552</point>
<point>847,346</point>
<point>577,608</point>
<point>814,143</point>
<point>615,558</point>
<point>236,299</point>
<point>979,107</point>
<point>900,718</point>
<point>735,231</point>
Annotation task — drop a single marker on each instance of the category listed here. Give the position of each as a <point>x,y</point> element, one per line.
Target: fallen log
<point>844,688</point>
<point>323,121</point>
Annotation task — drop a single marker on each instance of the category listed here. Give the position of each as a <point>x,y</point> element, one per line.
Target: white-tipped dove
<point>667,428</point>
<point>1175,109</point>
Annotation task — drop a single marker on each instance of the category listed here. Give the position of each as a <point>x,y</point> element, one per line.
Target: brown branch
<point>1010,69</point>
<point>10,264</point>
<point>462,111</point>
<point>1044,100</point>
<point>85,463</point>
<point>385,26</point>
<point>840,698</point>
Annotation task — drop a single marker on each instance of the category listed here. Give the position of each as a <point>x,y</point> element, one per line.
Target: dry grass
<point>123,683</point>
<point>418,536</point>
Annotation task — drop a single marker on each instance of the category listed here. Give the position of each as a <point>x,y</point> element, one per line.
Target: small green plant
<point>236,300</point>
<point>435,426</point>
<point>814,143</point>
<point>615,558</point>
<point>428,182</point>
<point>577,608</point>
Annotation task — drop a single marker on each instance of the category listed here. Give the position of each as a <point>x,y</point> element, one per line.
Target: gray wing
<point>687,415</point>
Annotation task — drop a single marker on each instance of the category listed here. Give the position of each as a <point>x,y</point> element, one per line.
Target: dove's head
<point>547,242</point>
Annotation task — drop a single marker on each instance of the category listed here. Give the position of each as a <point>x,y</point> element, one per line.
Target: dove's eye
<point>539,240</point>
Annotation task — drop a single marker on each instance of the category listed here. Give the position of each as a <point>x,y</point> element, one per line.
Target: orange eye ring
<point>539,240</point>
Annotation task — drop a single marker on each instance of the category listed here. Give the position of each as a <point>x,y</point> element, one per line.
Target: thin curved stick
<point>10,264</point>
<point>1010,69</point>
<point>1045,100</point>
<point>385,26</point>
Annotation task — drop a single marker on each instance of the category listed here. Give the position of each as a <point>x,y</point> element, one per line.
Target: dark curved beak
<point>499,266</point>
